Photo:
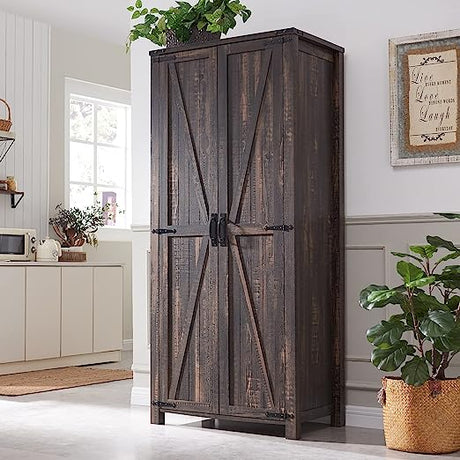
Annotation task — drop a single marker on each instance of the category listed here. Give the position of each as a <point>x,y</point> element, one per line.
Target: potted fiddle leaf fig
<point>183,23</point>
<point>421,408</point>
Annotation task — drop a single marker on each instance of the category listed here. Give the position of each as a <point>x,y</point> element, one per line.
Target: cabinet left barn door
<point>184,263</point>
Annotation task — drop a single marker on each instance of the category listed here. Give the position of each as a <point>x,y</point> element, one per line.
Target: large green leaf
<point>422,282</point>
<point>426,251</point>
<point>390,358</point>
<point>375,296</point>
<point>439,242</point>
<point>450,277</point>
<point>453,302</point>
<point>450,256</point>
<point>424,302</point>
<point>409,271</point>
<point>437,324</point>
<point>415,372</point>
<point>404,254</point>
<point>387,332</point>
<point>448,215</point>
<point>449,342</point>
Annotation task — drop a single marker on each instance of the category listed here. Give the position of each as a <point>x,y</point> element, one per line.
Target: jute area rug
<point>27,383</point>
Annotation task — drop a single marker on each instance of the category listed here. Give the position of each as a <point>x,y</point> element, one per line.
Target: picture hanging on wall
<point>424,87</point>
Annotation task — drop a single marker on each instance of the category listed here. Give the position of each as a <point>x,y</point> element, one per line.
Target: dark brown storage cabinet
<point>248,230</point>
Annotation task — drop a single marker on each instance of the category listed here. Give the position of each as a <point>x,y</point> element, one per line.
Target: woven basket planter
<point>422,419</point>
<point>5,125</point>
<point>198,37</point>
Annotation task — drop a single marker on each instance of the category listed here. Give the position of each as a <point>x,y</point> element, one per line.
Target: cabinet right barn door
<point>251,289</point>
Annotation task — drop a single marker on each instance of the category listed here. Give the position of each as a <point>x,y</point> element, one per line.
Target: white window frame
<point>104,94</point>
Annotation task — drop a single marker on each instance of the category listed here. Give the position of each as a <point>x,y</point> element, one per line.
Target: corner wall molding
<point>127,344</point>
<point>140,228</point>
<point>395,219</point>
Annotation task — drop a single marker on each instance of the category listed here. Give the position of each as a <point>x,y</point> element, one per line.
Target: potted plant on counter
<point>421,408</point>
<point>76,227</point>
<point>185,23</point>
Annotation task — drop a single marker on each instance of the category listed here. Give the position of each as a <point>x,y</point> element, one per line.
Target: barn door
<point>251,280</point>
<point>184,297</point>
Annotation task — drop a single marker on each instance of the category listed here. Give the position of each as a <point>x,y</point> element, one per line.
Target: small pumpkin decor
<point>184,23</point>
<point>421,409</point>
<point>76,227</point>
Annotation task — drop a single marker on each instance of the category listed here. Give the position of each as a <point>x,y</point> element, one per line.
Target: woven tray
<point>68,256</point>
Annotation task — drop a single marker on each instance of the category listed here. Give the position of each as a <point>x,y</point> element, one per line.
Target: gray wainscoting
<point>370,241</point>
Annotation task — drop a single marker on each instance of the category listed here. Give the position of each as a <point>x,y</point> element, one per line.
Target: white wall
<point>373,187</point>
<point>24,83</point>
<point>80,57</point>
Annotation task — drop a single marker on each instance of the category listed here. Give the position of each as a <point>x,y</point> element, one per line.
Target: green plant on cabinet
<point>215,16</point>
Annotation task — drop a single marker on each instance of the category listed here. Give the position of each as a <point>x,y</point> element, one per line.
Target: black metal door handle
<point>213,230</point>
<point>223,230</point>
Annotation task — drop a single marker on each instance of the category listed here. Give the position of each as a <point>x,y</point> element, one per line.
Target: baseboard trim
<point>364,417</point>
<point>128,345</point>
<point>140,396</point>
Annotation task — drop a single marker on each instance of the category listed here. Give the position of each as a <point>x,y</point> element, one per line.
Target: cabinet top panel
<point>244,38</point>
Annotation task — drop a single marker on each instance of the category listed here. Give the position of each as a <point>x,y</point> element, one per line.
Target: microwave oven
<point>17,244</point>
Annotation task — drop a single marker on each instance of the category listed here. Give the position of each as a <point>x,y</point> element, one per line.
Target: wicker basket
<point>422,419</point>
<point>197,37</point>
<point>5,125</point>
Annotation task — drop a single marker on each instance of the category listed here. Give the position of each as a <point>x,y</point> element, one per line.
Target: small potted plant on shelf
<point>421,409</point>
<point>76,227</point>
<point>185,23</point>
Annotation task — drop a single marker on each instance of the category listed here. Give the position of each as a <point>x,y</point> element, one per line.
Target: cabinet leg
<point>156,416</point>
<point>209,423</point>
<point>293,428</point>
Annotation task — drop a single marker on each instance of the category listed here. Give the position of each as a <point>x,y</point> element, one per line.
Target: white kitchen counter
<point>61,264</point>
<point>56,314</point>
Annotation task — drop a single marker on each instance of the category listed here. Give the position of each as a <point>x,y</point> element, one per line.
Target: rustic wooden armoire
<point>248,230</point>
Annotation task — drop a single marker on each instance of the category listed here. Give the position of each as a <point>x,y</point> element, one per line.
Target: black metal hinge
<point>279,228</point>
<point>278,415</point>
<point>163,231</point>
<point>164,404</point>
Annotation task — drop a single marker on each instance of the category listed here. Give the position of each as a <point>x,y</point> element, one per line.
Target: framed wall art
<point>424,87</point>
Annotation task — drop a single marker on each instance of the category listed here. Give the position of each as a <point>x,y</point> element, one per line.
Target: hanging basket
<point>422,419</point>
<point>5,125</point>
<point>197,37</point>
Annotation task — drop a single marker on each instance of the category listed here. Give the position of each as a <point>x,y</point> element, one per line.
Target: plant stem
<point>440,374</point>
<point>416,323</point>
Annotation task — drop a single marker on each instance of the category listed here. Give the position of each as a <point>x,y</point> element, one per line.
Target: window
<point>98,148</point>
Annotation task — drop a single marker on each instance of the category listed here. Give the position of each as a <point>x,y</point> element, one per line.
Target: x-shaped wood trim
<point>237,195</point>
<point>192,308</point>
<point>196,172</point>
<point>236,251</point>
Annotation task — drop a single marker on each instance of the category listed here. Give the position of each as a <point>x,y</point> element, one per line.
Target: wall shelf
<point>6,141</point>
<point>16,197</point>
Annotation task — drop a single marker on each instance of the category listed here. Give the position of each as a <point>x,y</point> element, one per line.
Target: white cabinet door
<point>108,304</point>
<point>43,312</point>
<point>12,314</point>
<point>77,311</point>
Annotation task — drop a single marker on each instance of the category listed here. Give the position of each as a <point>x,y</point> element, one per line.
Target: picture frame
<point>424,92</point>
